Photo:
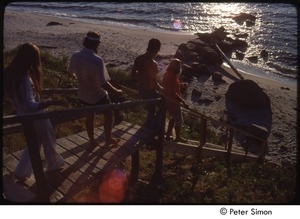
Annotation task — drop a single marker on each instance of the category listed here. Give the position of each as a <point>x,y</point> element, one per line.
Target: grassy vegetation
<point>185,179</point>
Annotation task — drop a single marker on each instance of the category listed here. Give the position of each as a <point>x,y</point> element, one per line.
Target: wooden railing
<point>16,123</point>
<point>13,124</point>
<point>231,130</point>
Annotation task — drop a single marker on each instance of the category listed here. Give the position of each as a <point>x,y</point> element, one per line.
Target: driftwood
<point>224,57</point>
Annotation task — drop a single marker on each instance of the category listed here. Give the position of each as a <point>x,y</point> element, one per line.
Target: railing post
<point>264,149</point>
<point>135,166</point>
<point>161,135</point>
<point>203,125</point>
<point>228,155</point>
<point>36,161</point>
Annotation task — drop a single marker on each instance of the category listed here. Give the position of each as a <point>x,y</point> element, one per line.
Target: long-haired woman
<point>22,87</point>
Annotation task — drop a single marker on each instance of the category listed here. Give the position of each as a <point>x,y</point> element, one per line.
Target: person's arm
<point>175,90</point>
<point>159,87</point>
<point>180,99</point>
<point>73,75</point>
<point>134,70</point>
<point>71,68</point>
<point>104,79</point>
<point>110,88</point>
<point>27,101</point>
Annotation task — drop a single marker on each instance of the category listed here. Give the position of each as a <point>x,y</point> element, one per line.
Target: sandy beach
<point>120,45</point>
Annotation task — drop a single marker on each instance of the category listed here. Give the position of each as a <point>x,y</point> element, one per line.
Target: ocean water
<point>275,29</point>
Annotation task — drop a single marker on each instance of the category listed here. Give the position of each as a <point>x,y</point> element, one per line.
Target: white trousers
<point>46,138</point>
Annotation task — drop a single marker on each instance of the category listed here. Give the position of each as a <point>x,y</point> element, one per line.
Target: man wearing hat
<point>93,84</point>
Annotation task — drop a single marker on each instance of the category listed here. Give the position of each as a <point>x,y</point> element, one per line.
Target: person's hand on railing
<point>159,88</point>
<point>183,85</point>
<point>112,89</point>
<point>186,105</point>
<point>119,91</point>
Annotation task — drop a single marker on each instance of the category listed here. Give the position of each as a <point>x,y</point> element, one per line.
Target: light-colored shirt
<point>91,73</point>
<point>27,103</point>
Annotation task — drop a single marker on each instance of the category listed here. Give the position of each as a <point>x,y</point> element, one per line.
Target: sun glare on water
<point>224,8</point>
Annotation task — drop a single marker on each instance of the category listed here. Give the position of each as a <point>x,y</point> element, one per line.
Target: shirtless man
<point>146,70</point>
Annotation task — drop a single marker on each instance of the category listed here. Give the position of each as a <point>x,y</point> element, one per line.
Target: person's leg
<point>108,125</point>
<point>178,124</point>
<point>177,132</point>
<point>150,121</point>
<point>89,125</point>
<point>47,139</point>
<point>108,122</point>
<point>24,168</point>
<point>150,116</point>
<point>170,128</point>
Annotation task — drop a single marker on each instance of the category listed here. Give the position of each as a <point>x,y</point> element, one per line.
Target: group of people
<point>23,87</point>
<point>145,68</point>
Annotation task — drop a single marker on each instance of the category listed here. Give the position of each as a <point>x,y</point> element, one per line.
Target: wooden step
<point>83,164</point>
<point>208,150</point>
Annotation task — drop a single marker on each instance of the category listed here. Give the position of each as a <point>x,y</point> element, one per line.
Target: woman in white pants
<point>22,87</point>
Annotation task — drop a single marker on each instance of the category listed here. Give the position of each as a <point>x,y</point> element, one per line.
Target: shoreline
<point>170,40</point>
<point>120,47</point>
<point>167,48</point>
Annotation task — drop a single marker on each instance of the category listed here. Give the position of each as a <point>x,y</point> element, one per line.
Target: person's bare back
<point>146,69</point>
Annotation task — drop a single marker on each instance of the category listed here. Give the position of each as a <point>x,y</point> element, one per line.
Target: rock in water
<point>242,17</point>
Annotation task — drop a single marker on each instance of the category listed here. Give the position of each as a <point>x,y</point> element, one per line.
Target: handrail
<point>66,115</point>
<point>59,90</point>
<point>75,112</point>
<point>59,116</point>
<point>194,112</point>
<point>203,126</point>
<point>197,113</point>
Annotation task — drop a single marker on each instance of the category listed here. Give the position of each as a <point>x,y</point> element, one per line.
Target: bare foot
<point>20,179</point>
<point>169,137</point>
<point>94,143</point>
<point>112,141</point>
<point>182,140</point>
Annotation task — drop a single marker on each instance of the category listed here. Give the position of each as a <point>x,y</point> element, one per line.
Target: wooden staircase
<point>208,150</point>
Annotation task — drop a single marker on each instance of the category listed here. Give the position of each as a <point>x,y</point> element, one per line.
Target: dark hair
<point>91,40</point>
<point>26,61</point>
<point>154,45</point>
